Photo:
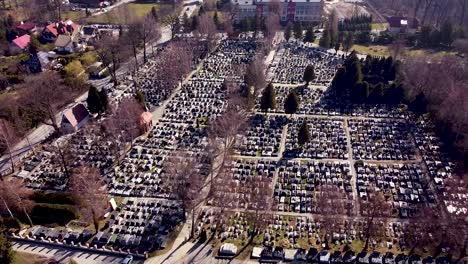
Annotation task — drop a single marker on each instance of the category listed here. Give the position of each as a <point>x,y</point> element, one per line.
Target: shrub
<point>49,214</point>
<point>73,69</point>
<point>53,198</point>
<point>10,223</point>
<point>88,58</point>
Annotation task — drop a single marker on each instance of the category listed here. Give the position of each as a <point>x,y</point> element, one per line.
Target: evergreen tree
<point>325,40</point>
<point>154,14</point>
<point>447,34</point>
<point>337,47</point>
<point>6,250</point>
<point>94,101</point>
<point>304,134</point>
<point>338,81</point>
<point>291,104</point>
<point>187,23</point>
<point>361,92</point>
<point>298,30</point>
<point>377,95</point>
<point>201,10</point>
<point>419,104</point>
<point>195,22</point>
<point>309,74</point>
<point>309,35</point>
<point>140,96</point>
<point>348,41</point>
<point>268,100</point>
<point>104,99</point>
<point>216,19</point>
<point>287,32</point>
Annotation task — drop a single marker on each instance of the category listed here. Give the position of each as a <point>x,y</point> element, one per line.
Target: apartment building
<point>306,11</point>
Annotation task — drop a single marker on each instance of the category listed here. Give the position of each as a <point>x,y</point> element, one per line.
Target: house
<point>74,118</point>
<point>402,25</point>
<point>67,27</point>
<point>146,121</point>
<point>88,33</point>
<point>20,44</point>
<point>26,28</point>
<point>64,44</point>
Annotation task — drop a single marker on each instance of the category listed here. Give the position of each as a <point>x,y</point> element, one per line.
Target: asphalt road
<point>62,255</point>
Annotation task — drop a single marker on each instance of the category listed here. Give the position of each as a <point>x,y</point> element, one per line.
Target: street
<point>62,255</point>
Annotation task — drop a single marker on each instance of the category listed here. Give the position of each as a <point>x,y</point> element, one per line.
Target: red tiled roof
<point>61,25</point>
<point>76,114</point>
<point>23,41</point>
<point>146,118</point>
<point>26,26</point>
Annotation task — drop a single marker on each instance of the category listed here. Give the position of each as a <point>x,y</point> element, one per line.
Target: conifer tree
<point>291,104</point>
<point>268,100</point>
<point>304,134</point>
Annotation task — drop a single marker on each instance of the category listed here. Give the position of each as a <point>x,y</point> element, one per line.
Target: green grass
<point>118,14</point>
<point>379,26</point>
<point>27,258</point>
<point>73,15</point>
<point>373,50</point>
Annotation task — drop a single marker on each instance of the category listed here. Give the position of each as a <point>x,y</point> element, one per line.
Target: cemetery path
<point>333,116</point>
<point>356,207</point>
<point>317,216</point>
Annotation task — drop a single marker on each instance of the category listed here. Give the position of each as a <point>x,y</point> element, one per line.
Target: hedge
<point>49,214</point>
<point>10,222</point>
<point>53,198</point>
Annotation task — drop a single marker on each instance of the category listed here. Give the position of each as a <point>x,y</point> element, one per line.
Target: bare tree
<point>126,120</point>
<point>111,53</point>
<point>8,137</point>
<point>150,33</point>
<point>397,49</point>
<point>255,74</point>
<point>89,188</point>
<point>43,94</point>
<point>256,194</point>
<point>184,182</point>
<point>172,21</point>
<point>376,206</point>
<point>329,201</point>
<point>16,196</point>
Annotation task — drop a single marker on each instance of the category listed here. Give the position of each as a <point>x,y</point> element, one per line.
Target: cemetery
<point>304,192</point>
<point>263,136</point>
<point>294,58</point>
<point>298,181</point>
<point>381,140</point>
<point>328,139</point>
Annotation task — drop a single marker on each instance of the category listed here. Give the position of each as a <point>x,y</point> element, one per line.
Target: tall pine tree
<point>309,74</point>
<point>268,99</point>
<point>94,101</point>
<point>309,35</point>
<point>291,104</point>
<point>304,134</point>
<point>298,30</point>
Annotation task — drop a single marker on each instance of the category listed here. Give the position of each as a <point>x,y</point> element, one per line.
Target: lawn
<point>379,26</point>
<point>117,15</point>
<point>373,50</point>
<point>431,54</point>
<point>27,258</point>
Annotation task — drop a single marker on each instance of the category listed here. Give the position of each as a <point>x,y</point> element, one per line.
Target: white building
<point>306,11</point>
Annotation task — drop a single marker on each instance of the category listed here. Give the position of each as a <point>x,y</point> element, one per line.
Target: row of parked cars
<point>313,255</point>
